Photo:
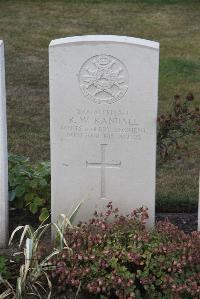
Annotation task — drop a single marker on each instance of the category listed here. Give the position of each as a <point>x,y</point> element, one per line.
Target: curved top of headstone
<point>106,38</point>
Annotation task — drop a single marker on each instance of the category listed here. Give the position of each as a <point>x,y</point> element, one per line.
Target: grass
<point>177,182</point>
<point>27,27</point>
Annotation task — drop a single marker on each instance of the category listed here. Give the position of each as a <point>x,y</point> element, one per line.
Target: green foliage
<point>34,261</point>
<point>29,186</point>
<point>122,259</point>
<point>3,267</point>
<point>33,272</point>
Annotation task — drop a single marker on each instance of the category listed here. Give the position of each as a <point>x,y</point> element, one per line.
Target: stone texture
<point>3,155</point>
<point>103,104</point>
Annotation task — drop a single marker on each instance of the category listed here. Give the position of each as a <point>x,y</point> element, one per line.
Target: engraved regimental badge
<point>103,79</point>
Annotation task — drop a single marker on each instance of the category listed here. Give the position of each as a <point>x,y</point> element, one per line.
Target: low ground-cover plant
<point>29,186</point>
<point>175,126</point>
<point>121,259</point>
<point>111,256</point>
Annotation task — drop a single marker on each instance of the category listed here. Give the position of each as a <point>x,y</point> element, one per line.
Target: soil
<point>187,222</point>
<point>184,221</point>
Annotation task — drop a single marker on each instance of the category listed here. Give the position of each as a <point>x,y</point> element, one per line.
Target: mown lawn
<point>27,27</point>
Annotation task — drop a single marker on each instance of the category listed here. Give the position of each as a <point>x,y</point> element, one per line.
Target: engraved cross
<point>103,165</point>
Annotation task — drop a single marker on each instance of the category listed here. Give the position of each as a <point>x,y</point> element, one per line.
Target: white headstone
<point>3,155</point>
<point>103,103</point>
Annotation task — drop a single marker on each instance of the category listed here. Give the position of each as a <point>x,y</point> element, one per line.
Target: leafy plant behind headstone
<point>176,126</point>
<point>29,186</point>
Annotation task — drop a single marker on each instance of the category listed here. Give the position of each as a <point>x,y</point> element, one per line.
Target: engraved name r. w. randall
<point>103,79</point>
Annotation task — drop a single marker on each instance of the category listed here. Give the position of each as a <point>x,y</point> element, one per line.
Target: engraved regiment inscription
<point>110,124</point>
<point>103,79</point>
<point>103,165</point>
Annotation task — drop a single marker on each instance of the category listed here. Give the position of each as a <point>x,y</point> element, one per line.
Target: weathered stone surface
<point>103,102</point>
<point>3,155</point>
